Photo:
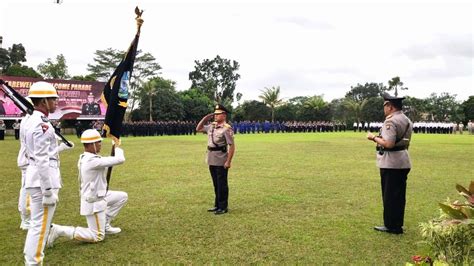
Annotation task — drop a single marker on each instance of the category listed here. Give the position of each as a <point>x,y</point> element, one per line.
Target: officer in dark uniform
<point>394,163</point>
<point>220,151</point>
<point>91,107</point>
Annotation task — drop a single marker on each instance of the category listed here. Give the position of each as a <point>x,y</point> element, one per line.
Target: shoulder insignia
<point>44,118</point>
<point>227,126</point>
<point>389,116</point>
<point>44,127</point>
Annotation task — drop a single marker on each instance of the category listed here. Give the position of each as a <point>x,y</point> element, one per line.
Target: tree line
<point>154,97</point>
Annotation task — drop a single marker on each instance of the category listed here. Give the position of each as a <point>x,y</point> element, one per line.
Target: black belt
<point>221,148</point>
<point>51,159</point>
<point>401,148</point>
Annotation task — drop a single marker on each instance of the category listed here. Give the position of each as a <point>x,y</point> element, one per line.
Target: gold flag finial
<point>139,19</point>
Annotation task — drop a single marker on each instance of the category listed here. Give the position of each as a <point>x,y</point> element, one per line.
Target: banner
<point>77,99</point>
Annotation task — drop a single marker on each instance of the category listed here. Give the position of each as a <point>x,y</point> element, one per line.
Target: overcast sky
<point>307,47</point>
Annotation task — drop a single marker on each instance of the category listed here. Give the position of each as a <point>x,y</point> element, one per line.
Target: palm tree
<point>355,107</point>
<point>315,103</point>
<point>271,97</point>
<point>150,89</point>
<point>396,84</point>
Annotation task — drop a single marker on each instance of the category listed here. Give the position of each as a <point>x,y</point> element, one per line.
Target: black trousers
<point>2,134</point>
<point>394,184</point>
<point>17,133</point>
<point>221,188</point>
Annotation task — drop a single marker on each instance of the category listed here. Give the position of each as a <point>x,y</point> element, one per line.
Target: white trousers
<point>96,222</point>
<point>115,201</point>
<point>41,217</point>
<point>24,199</point>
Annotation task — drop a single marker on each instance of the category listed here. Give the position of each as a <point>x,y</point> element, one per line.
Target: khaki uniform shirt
<point>396,126</point>
<point>218,136</point>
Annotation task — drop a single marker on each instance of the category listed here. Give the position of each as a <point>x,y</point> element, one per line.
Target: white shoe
<point>109,230</point>
<point>25,225</point>
<point>53,235</point>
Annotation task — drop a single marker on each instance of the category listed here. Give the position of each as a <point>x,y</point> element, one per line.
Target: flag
<point>115,94</point>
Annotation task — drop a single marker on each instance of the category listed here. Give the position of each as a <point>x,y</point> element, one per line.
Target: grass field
<point>294,198</point>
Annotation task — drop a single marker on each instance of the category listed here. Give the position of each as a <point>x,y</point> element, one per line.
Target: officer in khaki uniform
<point>393,160</point>
<point>220,151</point>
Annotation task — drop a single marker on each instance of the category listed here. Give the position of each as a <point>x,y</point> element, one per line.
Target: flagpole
<point>115,139</point>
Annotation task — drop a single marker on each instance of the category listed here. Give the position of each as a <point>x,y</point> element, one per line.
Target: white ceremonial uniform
<point>98,205</point>
<point>42,175</point>
<point>22,162</point>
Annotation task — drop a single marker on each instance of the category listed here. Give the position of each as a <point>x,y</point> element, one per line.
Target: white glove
<point>50,198</point>
<point>63,146</point>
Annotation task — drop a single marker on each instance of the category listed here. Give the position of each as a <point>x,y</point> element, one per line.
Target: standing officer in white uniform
<point>42,181</point>
<point>22,162</point>
<point>98,205</point>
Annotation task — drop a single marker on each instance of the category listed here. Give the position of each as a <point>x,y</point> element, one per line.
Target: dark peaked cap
<point>219,109</point>
<point>397,101</point>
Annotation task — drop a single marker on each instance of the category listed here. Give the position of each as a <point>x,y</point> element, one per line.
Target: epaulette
<point>389,116</point>
<point>44,118</point>
<point>227,125</point>
<point>214,123</point>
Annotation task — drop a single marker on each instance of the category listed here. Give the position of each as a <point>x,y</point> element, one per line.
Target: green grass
<point>294,198</point>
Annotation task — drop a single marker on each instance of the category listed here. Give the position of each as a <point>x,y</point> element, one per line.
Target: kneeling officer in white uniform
<point>98,205</point>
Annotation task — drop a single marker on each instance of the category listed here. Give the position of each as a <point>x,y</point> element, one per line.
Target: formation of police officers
<point>421,127</point>
<point>247,127</point>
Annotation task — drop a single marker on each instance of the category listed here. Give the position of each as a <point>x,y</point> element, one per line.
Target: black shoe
<point>213,209</point>
<point>220,211</point>
<point>384,229</point>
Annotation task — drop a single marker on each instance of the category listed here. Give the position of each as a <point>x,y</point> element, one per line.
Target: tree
<point>444,107</point>
<point>468,108</point>
<point>195,103</point>
<point>314,108</point>
<point>106,61</point>
<point>338,111</point>
<point>22,71</point>
<point>366,91</point>
<point>252,110</point>
<point>286,112</point>
<point>396,84</point>
<point>271,97</point>
<point>149,89</point>
<point>165,103</point>
<point>17,54</point>
<point>216,78</point>
<point>4,60</point>
<point>373,110</point>
<point>355,108</point>
<point>84,78</point>
<point>54,70</point>
<point>415,108</point>
<point>12,56</point>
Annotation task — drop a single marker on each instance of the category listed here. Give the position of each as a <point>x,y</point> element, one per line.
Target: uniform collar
<point>45,113</point>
